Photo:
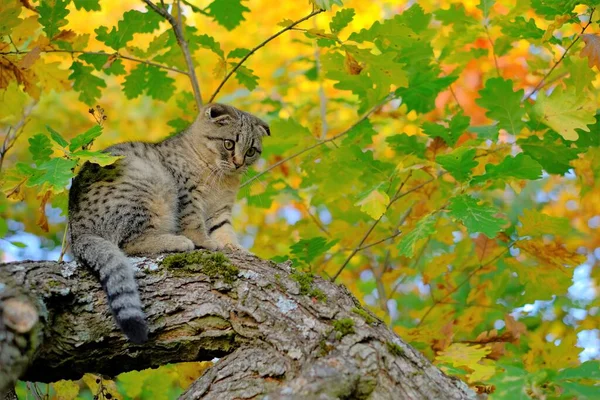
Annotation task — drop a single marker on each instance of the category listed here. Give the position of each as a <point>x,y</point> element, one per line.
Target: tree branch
<point>55,316</point>
<point>178,30</point>
<point>101,53</point>
<point>239,64</point>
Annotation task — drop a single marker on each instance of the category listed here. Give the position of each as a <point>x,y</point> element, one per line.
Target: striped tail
<point>117,278</point>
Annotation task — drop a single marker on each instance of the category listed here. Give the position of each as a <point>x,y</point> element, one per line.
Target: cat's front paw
<point>202,241</point>
<point>236,247</point>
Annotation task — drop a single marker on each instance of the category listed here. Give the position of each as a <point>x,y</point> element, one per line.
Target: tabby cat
<point>175,195</point>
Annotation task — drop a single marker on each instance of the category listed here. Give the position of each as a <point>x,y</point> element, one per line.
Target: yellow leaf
<point>66,390</point>
<point>25,31</point>
<point>481,372</point>
<point>552,253</point>
<point>559,21</point>
<point>51,76</point>
<point>463,355</point>
<point>564,112</point>
<point>535,223</point>
<point>374,204</point>
<point>13,102</point>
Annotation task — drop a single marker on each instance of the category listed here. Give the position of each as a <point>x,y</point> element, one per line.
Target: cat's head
<point>234,136</point>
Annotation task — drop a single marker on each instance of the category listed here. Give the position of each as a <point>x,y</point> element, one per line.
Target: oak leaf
<point>591,49</point>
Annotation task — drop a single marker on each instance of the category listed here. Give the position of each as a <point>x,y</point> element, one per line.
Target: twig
<point>14,132</point>
<point>321,142</point>
<point>322,96</point>
<point>239,64</point>
<point>321,227</point>
<point>101,53</point>
<point>370,230</point>
<point>379,241</point>
<point>541,83</point>
<point>177,29</point>
<point>197,9</point>
<point>487,32</point>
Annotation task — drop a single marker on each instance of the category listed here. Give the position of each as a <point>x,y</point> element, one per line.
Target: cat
<point>170,196</point>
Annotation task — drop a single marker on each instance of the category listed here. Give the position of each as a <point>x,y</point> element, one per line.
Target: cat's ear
<point>265,128</point>
<point>220,114</point>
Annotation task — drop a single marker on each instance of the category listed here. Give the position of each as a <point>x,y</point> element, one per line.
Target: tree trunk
<point>277,331</point>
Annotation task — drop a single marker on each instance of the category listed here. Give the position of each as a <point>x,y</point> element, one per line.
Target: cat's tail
<point>117,278</point>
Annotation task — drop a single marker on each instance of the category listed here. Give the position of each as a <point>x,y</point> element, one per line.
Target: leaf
<point>245,76</point>
<point>150,79</point>
<point>53,15</point>
<point>95,157</point>
<point>309,249</point>
<point>9,16</point>
<point>553,156</point>
<point>587,370</point>
<point>456,127</point>
<point>423,88</point>
<point>476,217</point>
<point>424,228</point>
<point>326,4</point>
<point>535,223</point>
<point>13,101</point>
<point>521,166</point>
<point>87,84</point>
<point>133,22</point>
<point>20,245</point>
<point>40,148</point>
<point>406,144</point>
<point>551,254</point>
<point>519,28</point>
<point>104,62</point>
<point>87,5</point>
<point>66,390</point>
<point>459,163</point>
<point>503,104</point>
<point>57,174</point>
<point>227,13</point>
<point>591,50</point>
<point>208,42</point>
<point>341,19</point>
<point>374,204</point>
<point>238,53</point>
<point>485,6</point>
<point>57,137</point>
<point>564,112</point>
<point>85,138</point>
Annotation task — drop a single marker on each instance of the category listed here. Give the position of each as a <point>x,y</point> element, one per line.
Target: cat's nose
<point>237,162</point>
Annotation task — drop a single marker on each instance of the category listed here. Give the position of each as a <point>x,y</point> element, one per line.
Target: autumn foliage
<point>440,158</point>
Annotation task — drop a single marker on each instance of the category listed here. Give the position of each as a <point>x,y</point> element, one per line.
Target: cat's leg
<point>156,243</point>
<point>220,230</point>
<point>192,220</point>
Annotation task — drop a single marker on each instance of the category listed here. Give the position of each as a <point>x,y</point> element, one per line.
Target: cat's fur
<point>175,195</point>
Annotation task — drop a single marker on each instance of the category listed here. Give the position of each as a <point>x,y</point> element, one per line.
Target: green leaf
<point>57,137</point>
<point>553,8</point>
<point>309,249</point>
<point>85,83</point>
<point>151,80</point>
<point>56,173</point>
<point>341,19</point>
<point>591,138</point>
<point>535,223</point>
<point>95,157</point>
<point>20,245</point>
<point>485,6</point>
<point>587,370</point>
<point>40,148</point>
<point>179,124</point>
<point>476,217</point>
<point>407,144</point>
<point>503,104</point>
<point>100,60</point>
<point>245,76</point>
<point>456,127</point>
<point>361,134</point>
<point>87,5</point>
<point>423,88</point>
<point>227,13</point>
<point>85,138</point>
<point>208,42</point>
<point>240,52</point>
<point>521,29</point>
<point>521,166</point>
<point>287,134</point>
<point>53,15</point>
<point>553,156</point>
<point>326,4</point>
<point>3,227</point>
<point>133,22</point>
<point>459,163</point>
<point>9,16</point>
<point>564,111</point>
<point>487,132</point>
<point>422,229</point>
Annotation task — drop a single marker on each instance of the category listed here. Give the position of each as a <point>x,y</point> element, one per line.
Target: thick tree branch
<point>239,64</point>
<point>272,339</point>
<point>178,30</point>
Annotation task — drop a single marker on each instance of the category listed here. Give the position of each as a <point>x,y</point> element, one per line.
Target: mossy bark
<point>272,335</point>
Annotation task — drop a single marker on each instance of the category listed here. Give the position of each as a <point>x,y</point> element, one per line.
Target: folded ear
<point>263,125</point>
<point>220,113</point>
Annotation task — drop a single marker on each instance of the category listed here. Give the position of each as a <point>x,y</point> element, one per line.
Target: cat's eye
<point>229,145</point>
<point>251,152</point>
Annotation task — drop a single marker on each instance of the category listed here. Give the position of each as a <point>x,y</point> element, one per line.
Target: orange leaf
<point>42,218</point>
<point>30,58</point>
<point>484,247</point>
<point>591,49</point>
<point>352,66</point>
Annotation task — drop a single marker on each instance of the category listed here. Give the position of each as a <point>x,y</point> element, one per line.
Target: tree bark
<point>278,332</point>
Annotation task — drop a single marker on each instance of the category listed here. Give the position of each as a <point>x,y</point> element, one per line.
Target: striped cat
<point>175,195</point>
